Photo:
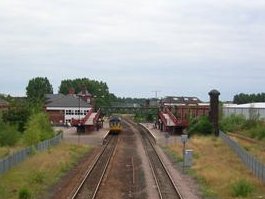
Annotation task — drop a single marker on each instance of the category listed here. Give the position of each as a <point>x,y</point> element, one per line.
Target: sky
<point>174,47</point>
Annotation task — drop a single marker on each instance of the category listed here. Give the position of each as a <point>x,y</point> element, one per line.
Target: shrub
<point>24,193</point>
<point>242,188</point>
<point>201,126</point>
<point>257,132</point>
<point>232,123</point>
<point>38,129</point>
<point>8,135</point>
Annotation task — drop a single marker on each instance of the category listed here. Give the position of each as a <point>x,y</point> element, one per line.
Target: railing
<point>172,117</point>
<point>256,167</point>
<point>178,122</point>
<point>164,120</point>
<point>76,122</point>
<point>96,116</point>
<point>12,160</point>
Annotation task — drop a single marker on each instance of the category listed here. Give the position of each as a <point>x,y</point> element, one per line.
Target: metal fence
<point>256,167</point>
<point>12,160</point>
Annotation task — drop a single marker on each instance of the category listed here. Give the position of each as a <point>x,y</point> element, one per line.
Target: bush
<point>242,188</point>
<point>257,132</point>
<point>201,126</point>
<point>38,129</point>
<point>8,135</point>
<point>232,123</point>
<point>24,194</point>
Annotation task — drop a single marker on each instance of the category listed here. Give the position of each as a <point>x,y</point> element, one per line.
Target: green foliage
<point>17,116</point>
<point>242,188</point>
<point>257,132</point>
<point>232,123</point>
<point>99,90</point>
<point>248,98</point>
<point>38,129</point>
<point>9,135</point>
<point>200,125</point>
<point>38,177</point>
<point>24,193</point>
<point>37,88</point>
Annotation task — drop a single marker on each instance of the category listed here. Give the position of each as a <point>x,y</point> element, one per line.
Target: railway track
<point>89,187</point>
<point>165,185</point>
<point>164,182</point>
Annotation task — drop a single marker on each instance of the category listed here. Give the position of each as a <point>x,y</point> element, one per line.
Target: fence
<point>256,167</point>
<point>12,160</point>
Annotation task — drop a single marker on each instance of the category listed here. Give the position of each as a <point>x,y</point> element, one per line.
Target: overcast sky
<point>177,47</point>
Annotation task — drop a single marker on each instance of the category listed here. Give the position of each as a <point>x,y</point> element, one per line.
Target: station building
<point>62,109</point>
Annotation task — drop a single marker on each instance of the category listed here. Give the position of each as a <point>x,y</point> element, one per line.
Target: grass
<point>217,168</point>
<point>255,148</point>
<point>36,174</point>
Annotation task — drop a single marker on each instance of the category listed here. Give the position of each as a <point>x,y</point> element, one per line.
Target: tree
<point>98,89</point>
<point>38,129</point>
<point>37,88</point>
<point>249,98</point>
<point>18,113</point>
<point>8,134</point>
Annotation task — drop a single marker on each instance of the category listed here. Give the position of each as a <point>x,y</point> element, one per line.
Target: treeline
<point>98,89</point>
<point>248,98</point>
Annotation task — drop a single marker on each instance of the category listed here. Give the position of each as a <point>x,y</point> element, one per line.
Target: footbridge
<point>109,110</point>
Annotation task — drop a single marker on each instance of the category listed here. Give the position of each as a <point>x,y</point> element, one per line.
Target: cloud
<point>176,46</point>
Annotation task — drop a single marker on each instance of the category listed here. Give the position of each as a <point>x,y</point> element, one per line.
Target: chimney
<point>71,91</point>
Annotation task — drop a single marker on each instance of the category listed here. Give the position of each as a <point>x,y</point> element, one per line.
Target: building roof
<point>60,100</point>
<point>248,105</point>
<point>84,93</point>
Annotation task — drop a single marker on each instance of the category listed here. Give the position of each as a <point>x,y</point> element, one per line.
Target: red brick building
<point>186,107</point>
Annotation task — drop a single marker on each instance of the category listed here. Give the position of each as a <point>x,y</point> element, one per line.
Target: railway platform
<point>162,138</point>
<point>93,138</point>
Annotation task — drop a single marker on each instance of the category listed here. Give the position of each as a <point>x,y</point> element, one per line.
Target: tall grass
<point>232,123</point>
<point>237,123</point>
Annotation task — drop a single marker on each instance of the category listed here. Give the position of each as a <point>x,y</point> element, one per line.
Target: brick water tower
<point>214,110</point>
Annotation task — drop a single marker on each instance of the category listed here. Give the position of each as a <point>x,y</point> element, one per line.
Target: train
<point>115,124</point>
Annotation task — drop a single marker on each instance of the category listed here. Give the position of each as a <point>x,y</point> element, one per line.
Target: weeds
<point>24,193</point>
<point>242,188</point>
<point>38,177</point>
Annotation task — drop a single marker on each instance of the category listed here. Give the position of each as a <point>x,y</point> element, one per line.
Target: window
<point>67,112</point>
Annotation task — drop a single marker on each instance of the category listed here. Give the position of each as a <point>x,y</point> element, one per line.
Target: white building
<point>250,110</point>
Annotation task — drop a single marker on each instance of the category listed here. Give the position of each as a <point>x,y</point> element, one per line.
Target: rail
<point>89,186</point>
<point>165,184</point>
